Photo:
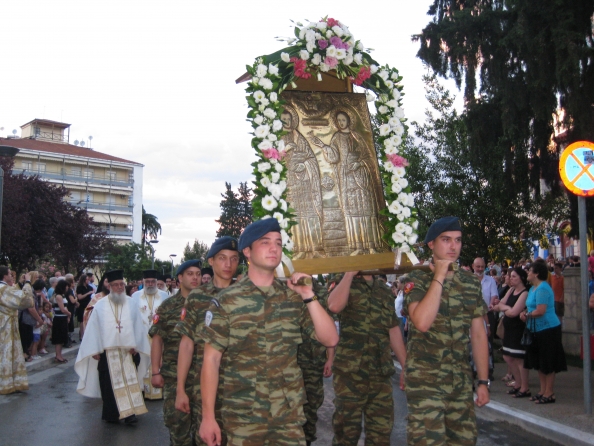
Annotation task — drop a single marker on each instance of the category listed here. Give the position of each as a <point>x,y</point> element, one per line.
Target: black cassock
<point>110,406</point>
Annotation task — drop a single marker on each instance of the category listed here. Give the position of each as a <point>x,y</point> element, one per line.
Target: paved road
<point>52,413</point>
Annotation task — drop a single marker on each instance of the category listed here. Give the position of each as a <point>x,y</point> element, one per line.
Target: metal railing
<point>90,205</point>
<point>82,177</point>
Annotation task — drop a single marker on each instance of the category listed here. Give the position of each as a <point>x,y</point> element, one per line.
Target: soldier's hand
<point>182,402</point>
<point>440,267</point>
<point>305,291</point>
<point>210,432</point>
<point>328,369</point>
<point>157,381</point>
<point>402,385</point>
<point>482,396</point>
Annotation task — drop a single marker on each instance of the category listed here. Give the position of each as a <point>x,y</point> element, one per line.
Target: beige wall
<point>572,321</point>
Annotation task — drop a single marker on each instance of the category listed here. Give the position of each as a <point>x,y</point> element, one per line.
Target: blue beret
<point>187,264</point>
<point>257,230</point>
<point>225,242</point>
<point>442,225</point>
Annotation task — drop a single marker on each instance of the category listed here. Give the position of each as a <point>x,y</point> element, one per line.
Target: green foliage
<point>197,251</point>
<point>151,227</point>
<point>133,258</point>
<point>236,211</point>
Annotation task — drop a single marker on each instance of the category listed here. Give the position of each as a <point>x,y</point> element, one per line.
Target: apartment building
<point>108,187</point>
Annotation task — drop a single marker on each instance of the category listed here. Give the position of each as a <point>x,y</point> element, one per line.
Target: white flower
<point>394,122</point>
<point>384,129</point>
<point>283,185</point>
<point>413,239</point>
<point>340,54</point>
<point>273,162</point>
<point>400,227</point>
<point>266,83</point>
<point>348,60</point>
<point>392,103</point>
<point>369,96</point>
<point>331,51</point>
<point>278,216</point>
<point>283,204</point>
<point>402,196</point>
<point>270,113</point>
<point>284,223</point>
<point>304,54</point>
<point>262,131</point>
<point>395,208</point>
<point>398,238</point>
<point>263,167</point>
<point>321,26</point>
<point>383,98</point>
<point>272,137</point>
<point>275,176</point>
<point>284,236</point>
<point>273,69</point>
<point>285,57</point>
<point>265,145</point>
<point>396,188</point>
<point>310,46</point>
<point>394,75</point>
<point>259,95</point>
<point>259,119</point>
<point>401,216</point>
<point>318,36</point>
<point>316,59</point>
<point>408,230</point>
<point>398,130</point>
<point>396,93</point>
<point>391,150</point>
<point>399,171</point>
<point>281,145</point>
<point>273,97</point>
<point>383,74</point>
<point>277,125</point>
<point>310,35</point>
<point>398,112</point>
<point>382,109</point>
<point>264,102</point>
<point>406,212</point>
<point>269,203</point>
<point>275,190</point>
<point>373,69</point>
<point>415,224</point>
<point>360,46</point>
<point>358,58</point>
<point>411,200</point>
<point>324,67</point>
<point>389,166</point>
<point>289,245</point>
<point>338,30</point>
<point>255,80</point>
<point>329,34</point>
<point>265,182</point>
<point>261,70</point>
<point>302,34</point>
<point>265,217</point>
<point>396,141</point>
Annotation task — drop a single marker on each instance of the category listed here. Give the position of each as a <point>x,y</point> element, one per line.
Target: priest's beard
<point>150,289</point>
<point>118,298</point>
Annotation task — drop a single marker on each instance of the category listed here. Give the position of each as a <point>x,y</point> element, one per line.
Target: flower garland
<point>319,47</point>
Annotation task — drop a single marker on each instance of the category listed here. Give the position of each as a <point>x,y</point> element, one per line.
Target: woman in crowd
<point>102,291</point>
<point>512,305</point>
<point>61,319</point>
<point>546,353</point>
<point>38,287</point>
<point>83,295</point>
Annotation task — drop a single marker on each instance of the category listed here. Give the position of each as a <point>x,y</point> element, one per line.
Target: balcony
<point>61,175</point>
<point>93,205</point>
<point>119,233</point>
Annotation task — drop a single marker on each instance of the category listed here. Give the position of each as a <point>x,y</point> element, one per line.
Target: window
<point>130,201</point>
<point>75,196</point>
<point>75,171</point>
<point>111,175</point>
<point>111,199</point>
<point>41,167</point>
<point>88,173</point>
<point>27,165</point>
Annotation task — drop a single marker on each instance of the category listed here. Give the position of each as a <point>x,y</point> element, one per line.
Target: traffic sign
<point>576,167</point>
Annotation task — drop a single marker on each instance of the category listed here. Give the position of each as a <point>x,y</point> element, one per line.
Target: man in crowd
<point>14,373</point>
<point>164,352</point>
<point>446,310</point>
<point>114,333</point>
<point>52,282</point>
<point>491,297</point>
<point>91,282</point>
<point>363,364</point>
<point>161,285</point>
<point>223,258</point>
<point>148,301</point>
<point>207,274</point>
<point>257,324</point>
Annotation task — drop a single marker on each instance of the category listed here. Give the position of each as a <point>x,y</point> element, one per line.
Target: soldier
<point>363,365</point>
<point>255,327</point>
<point>164,350</point>
<point>445,306</point>
<point>224,259</point>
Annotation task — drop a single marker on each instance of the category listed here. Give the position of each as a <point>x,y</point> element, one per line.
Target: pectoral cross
<point>119,326</point>
<point>150,317</point>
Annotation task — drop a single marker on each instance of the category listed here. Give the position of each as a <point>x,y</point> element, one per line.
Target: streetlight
<point>151,243</point>
<point>8,152</point>
<point>171,256</point>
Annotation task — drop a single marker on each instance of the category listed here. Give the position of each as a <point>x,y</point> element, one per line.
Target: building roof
<point>61,125</point>
<point>61,149</point>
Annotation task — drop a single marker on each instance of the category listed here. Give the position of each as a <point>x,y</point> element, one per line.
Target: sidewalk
<point>47,361</point>
<point>564,422</point>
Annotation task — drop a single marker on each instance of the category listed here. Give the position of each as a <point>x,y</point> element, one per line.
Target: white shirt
<point>489,287</point>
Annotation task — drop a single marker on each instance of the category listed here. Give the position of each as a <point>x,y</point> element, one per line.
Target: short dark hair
<point>541,270</point>
<point>559,265</point>
<point>4,271</point>
<point>39,285</point>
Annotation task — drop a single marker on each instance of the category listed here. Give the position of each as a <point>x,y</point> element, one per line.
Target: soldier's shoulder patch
<point>183,314</point>
<point>155,319</point>
<point>208,318</point>
<point>215,302</point>
<point>408,287</point>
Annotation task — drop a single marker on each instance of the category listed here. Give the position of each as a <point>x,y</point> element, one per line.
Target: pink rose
<point>332,62</point>
<point>336,41</point>
<point>332,22</point>
<point>272,154</point>
<point>323,44</point>
<point>397,160</point>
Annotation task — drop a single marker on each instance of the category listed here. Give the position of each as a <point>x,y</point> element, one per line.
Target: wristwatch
<point>311,299</point>
<point>485,382</point>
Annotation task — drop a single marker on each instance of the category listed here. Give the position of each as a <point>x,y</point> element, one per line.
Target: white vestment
<point>103,333</point>
<point>147,306</point>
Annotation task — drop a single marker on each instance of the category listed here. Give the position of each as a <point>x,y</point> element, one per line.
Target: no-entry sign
<point>576,167</point>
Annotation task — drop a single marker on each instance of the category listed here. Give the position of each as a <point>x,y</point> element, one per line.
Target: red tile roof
<point>62,149</point>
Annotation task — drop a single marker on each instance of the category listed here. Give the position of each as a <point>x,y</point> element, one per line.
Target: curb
<point>48,360</point>
<point>540,426</point>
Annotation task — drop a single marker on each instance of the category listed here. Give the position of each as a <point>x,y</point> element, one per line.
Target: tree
<point>132,258</point>
<point>448,177</point>
<point>197,251</point>
<point>236,210</point>
<point>520,63</point>
<point>151,227</point>
<point>39,225</point>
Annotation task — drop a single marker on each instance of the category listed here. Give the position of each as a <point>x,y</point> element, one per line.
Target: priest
<point>147,301</point>
<point>105,363</point>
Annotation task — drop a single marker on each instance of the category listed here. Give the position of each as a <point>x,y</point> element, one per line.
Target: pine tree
<point>197,251</point>
<point>236,211</point>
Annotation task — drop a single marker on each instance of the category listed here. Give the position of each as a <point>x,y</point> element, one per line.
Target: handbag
<point>500,330</point>
<point>27,319</point>
<point>528,336</point>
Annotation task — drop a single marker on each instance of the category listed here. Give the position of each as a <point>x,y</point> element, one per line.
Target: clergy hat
<point>161,278</point>
<point>149,274</point>
<point>167,276</point>
<point>442,225</point>
<point>257,230</point>
<point>225,242</point>
<point>208,271</point>
<point>114,274</point>
<point>188,264</point>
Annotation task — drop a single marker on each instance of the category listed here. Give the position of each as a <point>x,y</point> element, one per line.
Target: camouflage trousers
<point>361,395</point>
<point>440,418</point>
<point>264,434</point>
<point>313,378</point>
<point>182,426</point>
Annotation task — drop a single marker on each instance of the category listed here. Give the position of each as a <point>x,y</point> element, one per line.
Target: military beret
<point>225,242</point>
<point>187,264</point>
<point>114,274</point>
<point>149,274</point>
<point>442,225</point>
<point>257,230</point>
<point>208,271</point>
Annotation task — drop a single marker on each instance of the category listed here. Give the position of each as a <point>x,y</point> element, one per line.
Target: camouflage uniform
<point>363,365</point>
<point>181,425</point>
<point>311,357</point>
<point>196,305</point>
<point>438,374</point>
<point>258,331</point>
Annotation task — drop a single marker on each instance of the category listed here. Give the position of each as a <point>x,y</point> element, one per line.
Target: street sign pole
<point>585,308</point>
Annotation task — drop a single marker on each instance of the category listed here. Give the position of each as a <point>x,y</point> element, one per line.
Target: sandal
<point>507,378</point>
<point>523,394</point>
<point>546,399</point>
<point>61,361</point>
<point>536,397</point>
<point>511,383</point>
<point>513,391</point>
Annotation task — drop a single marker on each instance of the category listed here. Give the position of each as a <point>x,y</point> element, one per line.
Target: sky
<point>154,82</point>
